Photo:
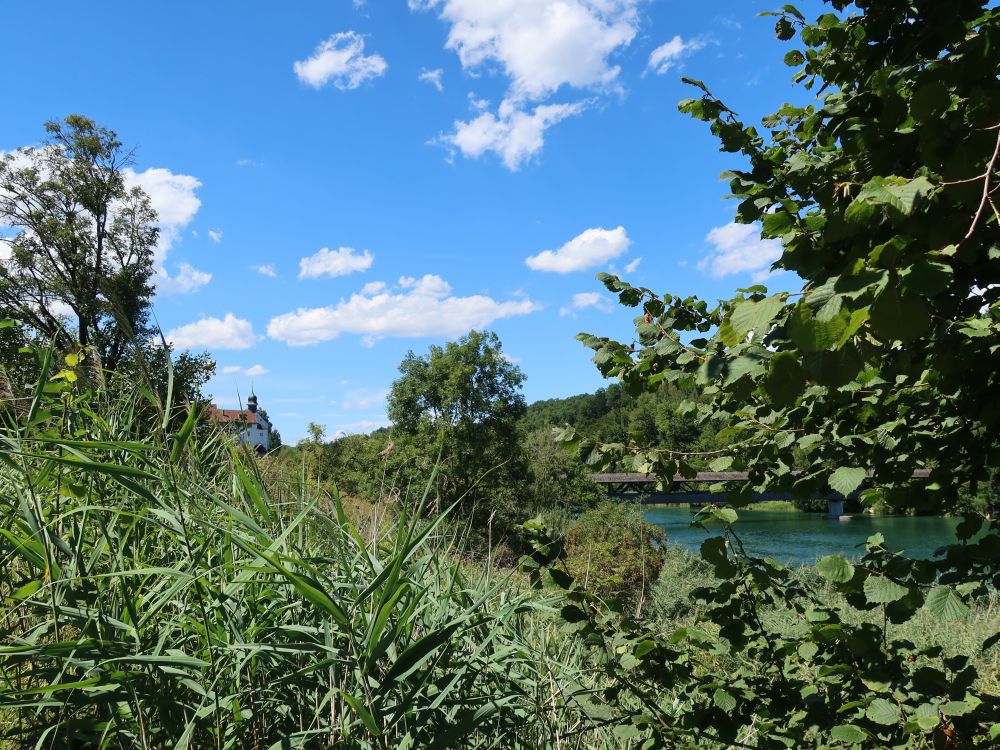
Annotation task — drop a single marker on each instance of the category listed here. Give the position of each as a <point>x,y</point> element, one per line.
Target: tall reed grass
<point>155,595</point>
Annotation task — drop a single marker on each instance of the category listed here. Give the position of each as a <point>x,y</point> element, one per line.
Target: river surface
<point>798,538</point>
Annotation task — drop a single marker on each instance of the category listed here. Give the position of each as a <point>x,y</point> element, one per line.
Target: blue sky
<point>341,182</point>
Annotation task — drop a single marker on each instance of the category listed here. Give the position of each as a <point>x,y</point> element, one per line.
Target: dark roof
<point>229,416</point>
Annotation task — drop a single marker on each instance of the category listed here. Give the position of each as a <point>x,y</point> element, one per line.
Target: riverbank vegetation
<point>456,581</point>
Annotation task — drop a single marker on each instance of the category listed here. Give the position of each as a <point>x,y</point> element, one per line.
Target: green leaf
<point>930,101</point>
<point>898,317</point>
<point>808,650</point>
<point>835,568</point>
<point>944,603</point>
<point>723,700</point>
<point>848,733</point>
<point>883,590</point>
<point>420,651</point>
<point>847,479</point>
<point>786,380</point>
<point>812,335</point>
<point>748,315</point>
<point>927,277</point>
<point>883,712</point>
<point>26,591</point>
<point>726,515</point>
<point>794,58</point>
<point>363,713</point>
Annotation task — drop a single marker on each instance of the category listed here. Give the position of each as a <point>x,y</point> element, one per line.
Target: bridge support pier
<point>834,509</point>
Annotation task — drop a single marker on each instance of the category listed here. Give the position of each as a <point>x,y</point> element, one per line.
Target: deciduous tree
<point>81,261</point>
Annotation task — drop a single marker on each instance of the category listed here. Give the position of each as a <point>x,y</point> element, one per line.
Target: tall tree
<point>83,252</point>
<point>468,394</point>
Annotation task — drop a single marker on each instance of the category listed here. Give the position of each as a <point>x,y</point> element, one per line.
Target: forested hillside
<point>611,415</point>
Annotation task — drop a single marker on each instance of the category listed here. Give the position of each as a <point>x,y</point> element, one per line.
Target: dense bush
<point>614,552</point>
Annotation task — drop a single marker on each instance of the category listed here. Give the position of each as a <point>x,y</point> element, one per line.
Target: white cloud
<point>513,134</point>
<point>187,280</point>
<point>340,59</point>
<point>247,163</point>
<point>212,333</point>
<point>266,269</point>
<point>174,199</point>
<point>738,248</point>
<point>631,266</point>
<point>340,262</point>
<point>254,371</point>
<point>172,195</point>
<point>363,427</point>
<point>416,307</point>
<point>670,53</point>
<point>215,235</point>
<point>359,399</point>
<point>433,77</point>
<point>541,45</point>
<point>583,300</point>
<point>588,249</point>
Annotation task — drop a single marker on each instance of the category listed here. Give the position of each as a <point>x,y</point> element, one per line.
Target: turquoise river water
<point>797,538</point>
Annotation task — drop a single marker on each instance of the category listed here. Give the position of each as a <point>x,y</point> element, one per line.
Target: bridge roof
<point>701,476</point>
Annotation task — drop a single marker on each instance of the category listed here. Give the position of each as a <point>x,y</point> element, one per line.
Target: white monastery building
<point>250,425</point>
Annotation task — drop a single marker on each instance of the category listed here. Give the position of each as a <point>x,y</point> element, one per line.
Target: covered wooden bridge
<point>697,490</point>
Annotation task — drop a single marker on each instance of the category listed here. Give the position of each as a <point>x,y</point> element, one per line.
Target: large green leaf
<point>883,712</point>
<point>835,568</point>
<point>883,590</point>
<point>848,733</point>
<point>812,335</point>
<point>847,479</point>
<point>786,380</point>
<point>749,315</point>
<point>944,603</point>
<point>897,317</point>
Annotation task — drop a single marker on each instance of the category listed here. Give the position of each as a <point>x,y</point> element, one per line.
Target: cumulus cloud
<point>433,77</point>
<point>513,134</point>
<point>415,307</point>
<point>583,300</point>
<point>541,46</point>
<point>174,198</point>
<point>266,269</point>
<point>215,235</point>
<point>631,266</point>
<point>254,371</point>
<point>212,333</point>
<point>738,248</point>
<point>342,61</point>
<point>340,262</point>
<point>187,280</point>
<point>590,248</point>
<point>670,53</point>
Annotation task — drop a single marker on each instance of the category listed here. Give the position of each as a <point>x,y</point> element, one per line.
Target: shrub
<point>614,552</point>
